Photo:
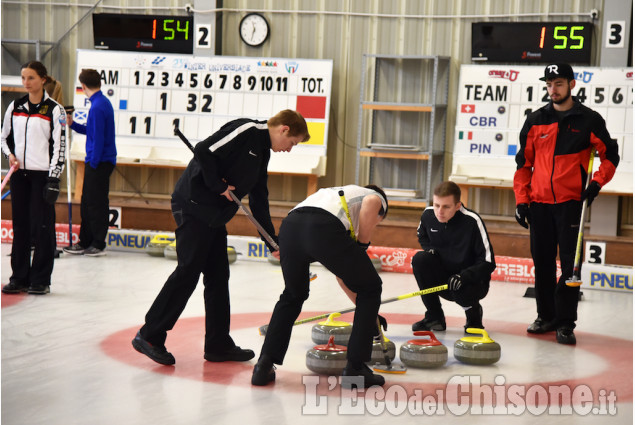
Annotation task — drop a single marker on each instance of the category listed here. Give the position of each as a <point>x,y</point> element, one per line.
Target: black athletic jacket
<point>462,244</point>
<point>237,154</point>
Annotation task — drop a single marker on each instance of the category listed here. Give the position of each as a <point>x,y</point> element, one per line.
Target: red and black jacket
<point>554,156</point>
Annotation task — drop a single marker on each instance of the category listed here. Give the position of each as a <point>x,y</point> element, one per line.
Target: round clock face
<point>254,29</point>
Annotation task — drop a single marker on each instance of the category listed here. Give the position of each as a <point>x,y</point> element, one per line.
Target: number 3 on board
<point>614,36</point>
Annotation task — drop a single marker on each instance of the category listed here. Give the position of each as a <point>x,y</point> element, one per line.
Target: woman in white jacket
<point>33,139</point>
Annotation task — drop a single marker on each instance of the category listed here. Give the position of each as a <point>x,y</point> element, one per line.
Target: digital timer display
<point>532,42</point>
<point>167,34</point>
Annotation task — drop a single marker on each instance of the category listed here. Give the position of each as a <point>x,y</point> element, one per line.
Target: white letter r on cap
<point>553,69</point>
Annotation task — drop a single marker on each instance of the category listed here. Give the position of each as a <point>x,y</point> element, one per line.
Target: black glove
<point>383,322</point>
<point>363,245</point>
<point>51,190</point>
<point>523,217</point>
<point>454,282</point>
<point>591,192</point>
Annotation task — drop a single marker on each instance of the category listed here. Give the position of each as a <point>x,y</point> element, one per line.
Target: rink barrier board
<point>397,260</point>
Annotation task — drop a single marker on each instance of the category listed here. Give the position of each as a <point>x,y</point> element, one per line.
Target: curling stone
<point>423,353</point>
<point>376,263</point>
<point>377,355</point>
<point>341,331</point>
<point>231,254</point>
<point>170,251</point>
<point>328,359</point>
<point>157,244</point>
<point>477,350</point>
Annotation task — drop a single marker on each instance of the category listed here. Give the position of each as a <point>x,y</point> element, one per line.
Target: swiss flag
<point>468,109</point>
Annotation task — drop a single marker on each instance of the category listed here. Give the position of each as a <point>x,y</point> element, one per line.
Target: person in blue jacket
<point>101,157</point>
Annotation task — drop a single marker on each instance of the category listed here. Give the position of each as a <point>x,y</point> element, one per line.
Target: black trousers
<point>199,249</point>
<point>429,272</point>
<point>95,206</point>
<point>553,229</point>
<point>312,234</point>
<point>31,211</point>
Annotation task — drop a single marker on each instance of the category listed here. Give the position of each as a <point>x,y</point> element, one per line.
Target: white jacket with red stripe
<point>36,137</point>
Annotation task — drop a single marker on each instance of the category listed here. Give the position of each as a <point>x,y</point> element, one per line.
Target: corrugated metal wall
<point>340,30</point>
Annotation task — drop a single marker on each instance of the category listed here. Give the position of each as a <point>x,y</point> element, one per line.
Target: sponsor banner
<point>249,248</point>
<point>398,260</point>
<point>61,233</point>
<point>508,269</point>
<point>130,240</point>
<point>393,259</point>
<point>517,270</point>
<point>608,278</point>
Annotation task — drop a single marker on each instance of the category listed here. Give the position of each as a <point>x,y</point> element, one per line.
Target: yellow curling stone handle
<point>161,238</point>
<point>331,322</point>
<point>483,339</point>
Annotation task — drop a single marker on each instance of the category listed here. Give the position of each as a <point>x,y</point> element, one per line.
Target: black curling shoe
<point>235,354</point>
<point>541,326</point>
<point>158,354</point>
<point>351,377</point>
<point>565,336</point>
<point>264,372</point>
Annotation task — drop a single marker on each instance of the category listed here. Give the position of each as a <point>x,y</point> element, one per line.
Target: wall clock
<point>254,29</point>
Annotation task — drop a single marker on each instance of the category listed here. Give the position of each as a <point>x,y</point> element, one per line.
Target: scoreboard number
<point>615,34</point>
<point>203,36</point>
<point>595,252</point>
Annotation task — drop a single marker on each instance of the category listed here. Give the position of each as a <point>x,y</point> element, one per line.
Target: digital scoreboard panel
<point>532,42</point>
<point>154,93</point>
<point>143,33</point>
<point>494,100</point>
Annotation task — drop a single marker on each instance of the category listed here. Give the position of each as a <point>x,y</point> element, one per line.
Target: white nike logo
<point>433,230</point>
<point>252,154</point>
<point>544,136</point>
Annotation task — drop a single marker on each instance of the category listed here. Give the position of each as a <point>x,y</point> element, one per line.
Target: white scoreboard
<point>152,93</point>
<point>494,100</point>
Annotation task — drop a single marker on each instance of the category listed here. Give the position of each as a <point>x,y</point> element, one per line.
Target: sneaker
<point>565,336</point>
<point>235,354</point>
<point>91,251</point>
<point>39,289</point>
<point>429,325</point>
<point>264,372</point>
<point>541,326</point>
<point>351,375</point>
<point>14,288</point>
<point>76,249</point>
<point>156,353</point>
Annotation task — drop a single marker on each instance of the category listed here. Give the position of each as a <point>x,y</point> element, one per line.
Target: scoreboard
<point>494,100</point>
<point>152,93</point>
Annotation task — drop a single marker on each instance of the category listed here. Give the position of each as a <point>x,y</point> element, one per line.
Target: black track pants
<point>199,249</point>
<point>312,234</point>
<point>30,210</point>
<point>95,206</point>
<point>429,272</point>
<point>554,227</point>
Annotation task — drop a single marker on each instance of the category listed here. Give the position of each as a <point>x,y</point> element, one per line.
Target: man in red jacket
<point>556,143</point>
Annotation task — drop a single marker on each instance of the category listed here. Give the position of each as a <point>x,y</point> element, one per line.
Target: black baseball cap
<point>558,70</point>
